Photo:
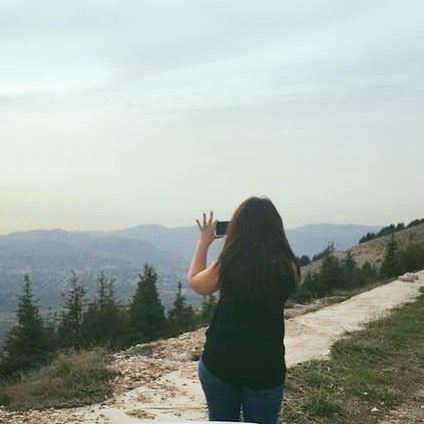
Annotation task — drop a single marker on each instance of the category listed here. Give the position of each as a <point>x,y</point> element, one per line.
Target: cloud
<point>132,92</point>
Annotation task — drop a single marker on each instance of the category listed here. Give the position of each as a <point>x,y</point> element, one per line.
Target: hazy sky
<point>117,113</point>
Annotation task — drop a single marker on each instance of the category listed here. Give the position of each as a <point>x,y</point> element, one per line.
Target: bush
<point>72,379</point>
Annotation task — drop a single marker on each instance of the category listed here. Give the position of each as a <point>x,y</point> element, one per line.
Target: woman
<point>242,366</point>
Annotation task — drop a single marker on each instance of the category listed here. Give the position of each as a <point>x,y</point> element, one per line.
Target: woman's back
<point>245,342</point>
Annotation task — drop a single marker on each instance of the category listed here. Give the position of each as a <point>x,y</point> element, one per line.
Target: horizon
<point>68,230</point>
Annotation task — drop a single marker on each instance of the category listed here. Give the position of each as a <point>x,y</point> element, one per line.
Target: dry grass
<point>72,379</point>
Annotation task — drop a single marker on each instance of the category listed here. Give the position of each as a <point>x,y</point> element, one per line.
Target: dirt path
<point>173,391</point>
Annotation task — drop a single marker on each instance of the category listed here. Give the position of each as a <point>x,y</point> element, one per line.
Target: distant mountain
<point>49,256</point>
<point>305,240</point>
<point>181,240</point>
<point>313,238</point>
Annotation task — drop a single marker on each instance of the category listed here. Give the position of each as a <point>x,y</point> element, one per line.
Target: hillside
<point>373,250</point>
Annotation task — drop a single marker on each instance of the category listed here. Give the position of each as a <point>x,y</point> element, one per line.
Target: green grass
<point>72,379</point>
<point>380,366</point>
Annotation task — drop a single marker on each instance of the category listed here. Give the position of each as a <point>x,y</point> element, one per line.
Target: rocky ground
<point>158,380</point>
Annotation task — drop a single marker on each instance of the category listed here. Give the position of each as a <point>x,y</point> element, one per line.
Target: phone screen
<point>221,228</point>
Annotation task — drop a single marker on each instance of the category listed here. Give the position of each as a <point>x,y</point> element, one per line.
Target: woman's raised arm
<point>202,279</point>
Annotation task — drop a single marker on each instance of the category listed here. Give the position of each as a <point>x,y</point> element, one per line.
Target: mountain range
<point>49,257</point>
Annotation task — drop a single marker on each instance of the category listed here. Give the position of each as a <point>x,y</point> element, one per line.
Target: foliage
<point>181,317</point>
<point>390,229</point>
<point>206,310</point>
<point>303,260</point>
<point>147,320</point>
<point>335,274</point>
<point>70,334</point>
<point>390,266</point>
<point>27,344</point>
<point>104,322</point>
<point>328,250</point>
<point>72,379</point>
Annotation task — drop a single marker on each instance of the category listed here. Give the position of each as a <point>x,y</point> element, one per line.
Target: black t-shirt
<point>245,344</point>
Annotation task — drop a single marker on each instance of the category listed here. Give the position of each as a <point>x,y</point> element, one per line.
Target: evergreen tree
<point>327,251</point>
<point>303,260</point>
<point>366,274</point>
<point>367,237</point>
<point>50,324</point>
<point>349,272</point>
<point>390,266</point>
<point>181,317</point>
<point>308,289</point>
<point>147,320</point>
<point>415,222</point>
<point>27,344</point>
<point>103,322</point>
<point>330,275</point>
<point>206,310</point>
<point>70,327</point>
<point>411,258</point>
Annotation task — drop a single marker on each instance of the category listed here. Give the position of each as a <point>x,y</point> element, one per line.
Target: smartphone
<point>221,228</point>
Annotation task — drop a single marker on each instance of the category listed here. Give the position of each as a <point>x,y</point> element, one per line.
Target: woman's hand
<point>207,230</point>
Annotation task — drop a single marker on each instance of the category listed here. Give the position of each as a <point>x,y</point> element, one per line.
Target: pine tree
<point>27,344</point>
<point>309,289</point>
<point>390,266</point>
<point>366,273</point>
<point>103,321</point>
<point>70,327</point>
<point>147,320</point>
<point>303,260</point>
<point>411,258</point>
<point>50,324</point>
<point>349,272</point>
<point>181,317</point>
<point>330,275</point>
<point>206,310</point>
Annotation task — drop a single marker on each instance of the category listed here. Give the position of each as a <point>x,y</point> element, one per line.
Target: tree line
<point>103,321</point>
<point>390,229</point>
<point>306,260</point>
<point>108,322</point>
<point>346,274</point>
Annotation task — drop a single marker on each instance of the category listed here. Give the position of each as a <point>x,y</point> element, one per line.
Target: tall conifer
<point>70,332</point>
<point>103,321</point>
<point>390,266</point>
<point>27,344</point>
<point>206,309</point>
<point>181,317</point>
<point>147,320</point>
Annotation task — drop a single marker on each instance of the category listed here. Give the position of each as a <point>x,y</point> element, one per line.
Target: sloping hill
<point>373,250</point>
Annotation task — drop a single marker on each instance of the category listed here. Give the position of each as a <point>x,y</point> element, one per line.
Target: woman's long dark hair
<point>257,262</point>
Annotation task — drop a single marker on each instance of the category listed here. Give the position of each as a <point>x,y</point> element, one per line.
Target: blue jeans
<point>226,400</point>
